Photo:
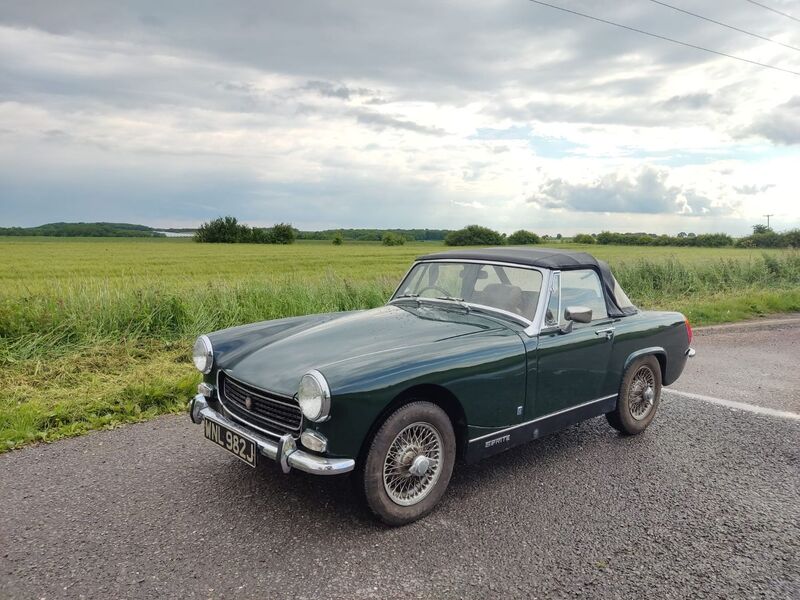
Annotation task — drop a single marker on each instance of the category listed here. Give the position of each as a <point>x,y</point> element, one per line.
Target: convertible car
<point>477,351</point>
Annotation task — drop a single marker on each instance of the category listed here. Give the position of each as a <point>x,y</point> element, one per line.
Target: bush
<point>224,230</point>
<point>227,230</point>
<point>393,239</point>
<point>523,237</point>
<point>337,239</point>
<point>583,238</point>
<point>474,235</point>
<point>283,233</point>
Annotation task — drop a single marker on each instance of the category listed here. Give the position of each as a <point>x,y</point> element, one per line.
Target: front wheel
<point>409,463</point>
<point>639,395</point>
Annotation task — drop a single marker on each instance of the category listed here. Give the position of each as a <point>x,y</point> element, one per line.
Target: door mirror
<point>579,314</point>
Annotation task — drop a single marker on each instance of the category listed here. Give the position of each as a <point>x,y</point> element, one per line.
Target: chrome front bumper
<point>283,451</point>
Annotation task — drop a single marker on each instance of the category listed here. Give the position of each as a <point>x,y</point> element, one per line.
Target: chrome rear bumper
<point>691,352</point>
<point>284,451</point>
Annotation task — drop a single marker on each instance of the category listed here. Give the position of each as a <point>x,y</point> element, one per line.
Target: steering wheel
<point>433,287</point>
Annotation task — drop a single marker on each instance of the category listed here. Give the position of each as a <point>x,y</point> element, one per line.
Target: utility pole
<point>768,216</point>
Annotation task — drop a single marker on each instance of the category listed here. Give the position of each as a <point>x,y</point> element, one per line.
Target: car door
<point>572,367</point>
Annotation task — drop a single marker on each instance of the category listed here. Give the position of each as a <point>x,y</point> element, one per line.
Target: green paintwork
<point>485,364</point>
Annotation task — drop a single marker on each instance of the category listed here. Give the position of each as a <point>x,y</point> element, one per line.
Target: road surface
<point>705,504</point>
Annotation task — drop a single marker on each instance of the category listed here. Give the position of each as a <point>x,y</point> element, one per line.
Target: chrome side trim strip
<point>543,417</point>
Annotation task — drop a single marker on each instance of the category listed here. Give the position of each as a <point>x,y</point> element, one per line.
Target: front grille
<point>275,414</point>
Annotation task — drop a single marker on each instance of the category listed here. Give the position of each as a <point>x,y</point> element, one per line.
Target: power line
<point>774,10</point>
<point>668,39</point>
<point>750,33</point>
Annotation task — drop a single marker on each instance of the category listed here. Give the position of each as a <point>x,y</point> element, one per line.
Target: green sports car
<point>477,351</point>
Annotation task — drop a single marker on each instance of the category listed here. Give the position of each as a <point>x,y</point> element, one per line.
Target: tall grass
<point>89,313</point>
<point>648,282</point>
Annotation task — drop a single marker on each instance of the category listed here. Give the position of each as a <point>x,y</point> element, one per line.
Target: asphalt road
<point>705,504</point>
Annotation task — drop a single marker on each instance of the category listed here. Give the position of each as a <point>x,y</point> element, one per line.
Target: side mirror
<point>579,314</point>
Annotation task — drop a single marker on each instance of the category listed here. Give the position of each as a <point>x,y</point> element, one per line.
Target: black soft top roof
<point>546,258</point>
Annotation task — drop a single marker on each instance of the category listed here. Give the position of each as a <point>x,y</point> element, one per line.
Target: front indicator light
<point>314,441</point>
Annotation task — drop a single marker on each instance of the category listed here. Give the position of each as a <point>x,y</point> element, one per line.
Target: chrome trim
<point>293,458</point>
<point>230,414</point>
<point>538,325</point>
<point>691,352</point>
<point>325,409</point>
<point>547,416</point>
<point>205,390</point>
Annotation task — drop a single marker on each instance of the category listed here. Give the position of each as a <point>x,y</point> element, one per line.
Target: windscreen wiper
<point>460,301</point>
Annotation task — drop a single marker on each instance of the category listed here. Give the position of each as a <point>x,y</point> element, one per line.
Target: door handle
<point>608,332</point>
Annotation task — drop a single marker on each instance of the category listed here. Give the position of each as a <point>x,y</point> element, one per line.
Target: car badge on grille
<point>248,402</point>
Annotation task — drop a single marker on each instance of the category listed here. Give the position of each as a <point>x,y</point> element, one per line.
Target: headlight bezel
<point>207,355</point>
<point>322,398</point>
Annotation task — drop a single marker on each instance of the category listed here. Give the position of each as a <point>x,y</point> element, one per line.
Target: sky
<point>336,114</point>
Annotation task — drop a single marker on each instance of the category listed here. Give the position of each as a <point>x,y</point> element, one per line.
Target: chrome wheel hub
<point>642,393</point>
<point>419,466</point>
<point>413,463</point>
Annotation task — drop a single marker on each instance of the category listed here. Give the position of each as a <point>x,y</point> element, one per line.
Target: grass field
<point>97,332</point>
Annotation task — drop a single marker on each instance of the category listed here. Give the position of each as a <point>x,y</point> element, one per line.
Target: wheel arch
<point>657,351</point>
<point>435,394</point>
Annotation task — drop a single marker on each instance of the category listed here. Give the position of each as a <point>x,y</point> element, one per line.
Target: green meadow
<point>97,332</point>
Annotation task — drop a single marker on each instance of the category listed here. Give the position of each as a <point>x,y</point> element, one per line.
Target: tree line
<point>83,230</point>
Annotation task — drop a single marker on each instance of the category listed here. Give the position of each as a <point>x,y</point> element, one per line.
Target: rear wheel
<point>639,395</point>
<point>409,463</point>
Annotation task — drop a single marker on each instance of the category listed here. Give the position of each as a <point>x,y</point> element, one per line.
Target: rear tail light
<point>689,331</point>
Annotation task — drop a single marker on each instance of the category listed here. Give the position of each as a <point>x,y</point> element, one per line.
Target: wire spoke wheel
<point>642,393</point>
<point>413,464</point>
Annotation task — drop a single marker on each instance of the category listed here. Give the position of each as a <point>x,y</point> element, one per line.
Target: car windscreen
<point>511,289</point>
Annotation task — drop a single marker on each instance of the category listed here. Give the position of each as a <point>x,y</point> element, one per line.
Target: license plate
<point>241,447</point>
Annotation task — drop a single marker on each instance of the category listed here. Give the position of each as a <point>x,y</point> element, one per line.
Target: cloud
<point>780,125</point>
<point>272,111</point>
<point>645,192</point>
<point>333,90</point>
<point>381,121</point>
<point>750,190</point>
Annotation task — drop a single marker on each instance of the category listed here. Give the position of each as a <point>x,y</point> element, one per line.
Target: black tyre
<point>408,464</point>
<point>639,395</point>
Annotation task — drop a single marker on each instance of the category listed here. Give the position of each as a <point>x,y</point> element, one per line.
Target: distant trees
<point>583,238</point>
<point>474,235</point>
<point>228,230</point>
<point>523,237</point>
<point>83,230</point>
<point>708,240</point>
<point>391,238</point>
<point>765,237</point>
<point>374,235</point>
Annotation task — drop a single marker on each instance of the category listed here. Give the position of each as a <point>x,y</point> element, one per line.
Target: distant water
<point>173,234</point>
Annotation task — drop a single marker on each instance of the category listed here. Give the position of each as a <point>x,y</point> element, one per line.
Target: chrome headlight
<point>314,396</point>
<point>203,354</point>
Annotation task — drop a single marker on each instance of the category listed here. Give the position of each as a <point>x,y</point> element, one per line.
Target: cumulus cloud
<point>646,192</point>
